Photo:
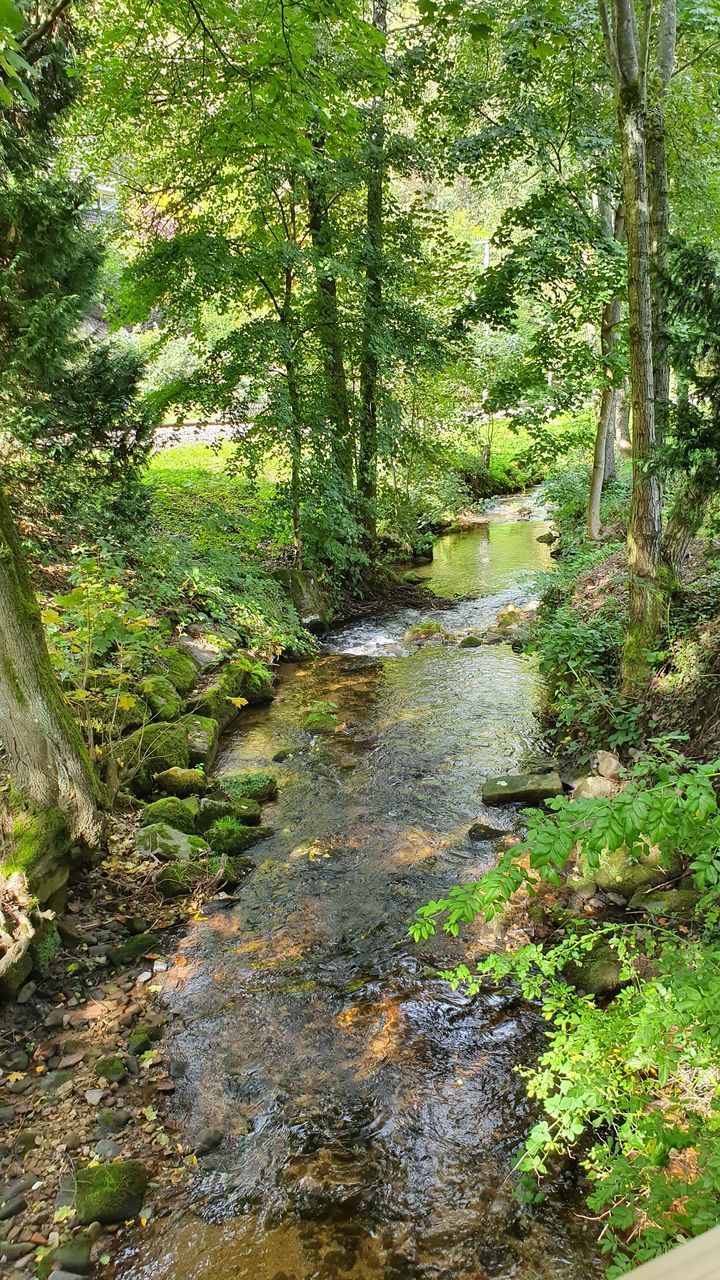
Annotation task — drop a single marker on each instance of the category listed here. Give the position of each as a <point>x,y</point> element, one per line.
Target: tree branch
<point>38,32</point>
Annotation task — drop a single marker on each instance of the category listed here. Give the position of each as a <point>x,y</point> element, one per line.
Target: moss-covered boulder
<point>168,844</point>
<point>522,788</point>
<point>470,641</point>
<point>255,784</point>
<point>110,1193</point>
<point>151,750</point>
<point>228,836</point>
<point>203,734</point>
<point>182,782</point>
<point>176,879</point>
<point>161,696</point>
<point>422,631</point>
<point>171,811</point>
<point>214,807</point>
<point>599,974</point>
<point>676,903</point>
<point>321,718</point>
<point>243,681</point>
<point>179,668</point>
<point>132,949</point>
<point>622,872</point>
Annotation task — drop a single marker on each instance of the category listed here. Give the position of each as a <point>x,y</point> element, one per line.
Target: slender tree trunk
<point>622,421</point>
<point>294,406</point>
<point>644,530</point>
<point>337,403</point>
<point>43,743</point>
<point>610,470</point>
<point>660,210</point>
<point>606,417</point>
<point>372,322</point>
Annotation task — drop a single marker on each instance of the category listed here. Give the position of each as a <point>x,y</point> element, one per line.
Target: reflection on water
<point>372,1115</point>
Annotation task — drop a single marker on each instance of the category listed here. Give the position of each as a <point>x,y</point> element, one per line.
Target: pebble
<point>55,1017</point>
<point>16,1250</point>
<point>106,1149</point>
<point>207,1141</point>
<point>16,1060</point>
<point>73,1141</point>
<point>19,1086</point>
<point>26,993</point>
<point>7,1115</point>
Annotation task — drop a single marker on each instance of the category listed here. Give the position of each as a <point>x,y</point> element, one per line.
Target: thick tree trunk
<point>645,512</point>
<point>372,321</point>
<point>337,403</point>
<point>44,747</point>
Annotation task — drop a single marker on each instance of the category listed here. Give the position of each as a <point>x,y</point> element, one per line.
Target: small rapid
<point>373,1115</point>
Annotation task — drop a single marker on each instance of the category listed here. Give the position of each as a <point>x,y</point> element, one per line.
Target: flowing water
<point>372,1115</point>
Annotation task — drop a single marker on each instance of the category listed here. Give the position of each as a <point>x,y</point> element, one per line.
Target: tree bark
<point>610,470</point>
<point>337,403</point>
<point>622,421</point>
<point>372,321</point>
<point>660,210</point>
<point>43,743</point>
<point>605,433</point>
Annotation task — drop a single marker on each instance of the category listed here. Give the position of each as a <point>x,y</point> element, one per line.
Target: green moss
<point>132,949</point>
<point>111,1068</point>
<point>214,807</point>
<point>12,678</point>
<point>179,668</point>
<point>176,879</point>
<point>253,785</point>
<point>46,944</point>
<point>110,1193</point>
<point>423,630</point>
<point>228,836</point>
<point>162,696</point>
<point>168,844</point>
<point>232,870</point>
<point>172,811</point>
<point>182,782</point>
<point>32,837</point>
<point>244,677</point>
<point>151,750</point>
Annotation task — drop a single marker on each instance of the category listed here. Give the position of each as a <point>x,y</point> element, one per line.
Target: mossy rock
<point>678,903</point>
<point>111,1068</point>
<point>470,642</point>
<point>149,751</point>
<point>424,631</point>
<point>203,738</point>
<point>313,606</point>
<point>176,879</point>
<point>320,722</point>
<point>232,871</point>
<point>255,784</point>
<point>412,578</point>
<point>171,811</point>
<point>109,1193</point>
<point>598,974</point>
<point>620,872</point>
<point>228,836</point>
<point>522,788</point>
<point>39,849</point>
<point>162,696</point>
<point>168,844</point>
<point>132,949</point>
<point>179,668</point>
<point>45,946</point>
<point>182,782</point>
<point>242,678</point>
<point>213,807</point>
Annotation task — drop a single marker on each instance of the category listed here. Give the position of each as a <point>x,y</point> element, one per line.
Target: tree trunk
<point>683,524</point>
<point>337,404</point>
<point>660,211</point>
<point>43,743</point>
<point>606,417</point>
<point>622,421</point>
<point>372,321</point>
<point>645,511</point>
<point>610,470</point>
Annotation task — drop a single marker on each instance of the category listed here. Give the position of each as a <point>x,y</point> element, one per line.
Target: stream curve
<point>372,1115</point>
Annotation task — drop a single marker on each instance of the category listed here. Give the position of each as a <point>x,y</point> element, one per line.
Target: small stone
<point>7,1115</point>
<point>596,788</point>
<point>140,1041</point>
<point>113,1119</point>
<point>137,924</point>
<point>19,1086</point>
<point>94,1096</point>
<point>485,831</point>
<point>208,1140</point>
<point>608,765</point>
<point>55,1017</point>
<point>12,1208</point>
<point>106,1149</point>
<point>18,1249</point>
<point>73,1141</point>
<point>74,1255</point>
<point>26,1140</point>
<point>27,992</point>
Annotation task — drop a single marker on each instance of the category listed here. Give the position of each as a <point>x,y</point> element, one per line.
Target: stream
<point>372,1115</point>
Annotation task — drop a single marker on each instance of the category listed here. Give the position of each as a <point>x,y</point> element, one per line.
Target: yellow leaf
<point>126,702</point>
<point>15,1075</point>
<point>238,702</point>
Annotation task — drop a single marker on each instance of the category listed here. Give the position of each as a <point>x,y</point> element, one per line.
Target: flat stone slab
<point>522,788</point>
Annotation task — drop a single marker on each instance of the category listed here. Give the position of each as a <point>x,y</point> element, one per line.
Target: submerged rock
<point>421,632</point>
<point>482,830</point>
<point>522,788</point>
<point>110,1193</point>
